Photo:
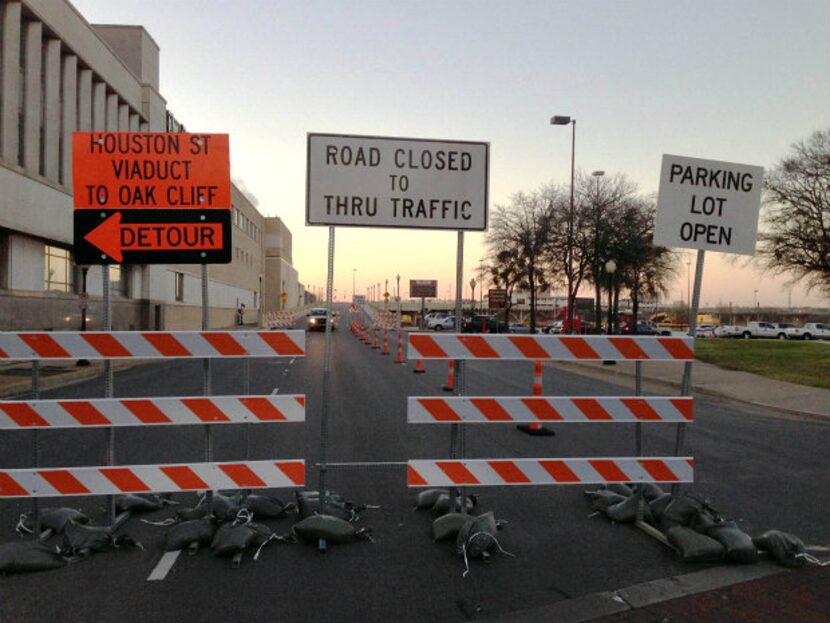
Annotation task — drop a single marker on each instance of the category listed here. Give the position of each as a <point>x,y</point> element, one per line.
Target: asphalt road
<point>767,472</point>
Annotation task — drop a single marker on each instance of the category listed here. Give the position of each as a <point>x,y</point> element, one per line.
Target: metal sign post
<point>457,441</point>
<point>108,382</point>
<point>206,388</point>
<point>324,410</point>
<point>35,449</point>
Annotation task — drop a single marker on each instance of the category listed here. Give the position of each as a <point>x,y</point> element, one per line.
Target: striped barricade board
<point>54,482</point>
<point>558,471</point>
<point>107,412</point>
<point>549,347</point>
<point>150,344</point>
<point>490,409</point>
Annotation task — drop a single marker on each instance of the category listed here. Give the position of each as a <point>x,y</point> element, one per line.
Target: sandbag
<point>737,543</point>
<point>704,521</point>
<point>601,499</point>
<point>189,514</point>
<point>232,538</point>
<point>27,556</point>
<point>784,548</point>
<point>225,507</point>
<point>332,529</point>
<point>266,506</point>
<point>54,519</point>
<point>681,511</point>
<point>447,526</point>
<point>650,490</point>
<point>620,488</point>
<point>82,540</point>
<point>183,535</point>
<point>138,503</point>
<point>694,547</point>
<point>477,537</point>
<point>427,498</point>
<point>626,511</point>
<point>442,504</point>
<point>658,506</point>
<point>308,504</point>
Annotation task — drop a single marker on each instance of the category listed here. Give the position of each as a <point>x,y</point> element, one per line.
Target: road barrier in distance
<point>150,344</point>
<point>492,409</point>
<point>555,471</point>
<point>280,319</point>
<point>549,347</point>
<point>112,480</point>
<point>107,412</point>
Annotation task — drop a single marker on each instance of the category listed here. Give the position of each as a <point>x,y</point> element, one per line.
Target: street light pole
<point>611,268</point>
<point>565,120</point>
<point>689,287</point>
<point>354,274</point>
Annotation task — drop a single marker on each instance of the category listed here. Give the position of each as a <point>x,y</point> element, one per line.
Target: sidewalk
<point>16,378</point>
<point>711,380</point>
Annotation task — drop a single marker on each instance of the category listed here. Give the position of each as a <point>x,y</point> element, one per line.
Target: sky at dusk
<point>733,81</point>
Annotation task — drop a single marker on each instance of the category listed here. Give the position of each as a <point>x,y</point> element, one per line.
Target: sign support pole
<point>324,410</point>
<point>35,449</point>
<point>108,381</point>
<point>206,377</point>
<point>457,430</point>
<point>423,324</point>
<point>686,388</point>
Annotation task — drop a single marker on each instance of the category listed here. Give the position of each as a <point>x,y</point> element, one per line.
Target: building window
<point>58,273</point>
<point>179,286</point>
<point>118,280</point>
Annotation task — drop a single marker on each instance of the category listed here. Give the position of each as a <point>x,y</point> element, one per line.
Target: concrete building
<point>59,74</point>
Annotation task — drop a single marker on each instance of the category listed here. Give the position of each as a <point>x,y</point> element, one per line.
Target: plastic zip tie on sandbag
<point>470,538</point>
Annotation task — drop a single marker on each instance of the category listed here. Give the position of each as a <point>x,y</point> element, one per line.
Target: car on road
<point>554,328</point>
<point>705,330</point>
<point>316,319</point>
<point>434,318</point>
<point>642,328</point>
<point>727,330</point>
<point>483,324</point>
<point>445,324</point>
<point>810,331</point>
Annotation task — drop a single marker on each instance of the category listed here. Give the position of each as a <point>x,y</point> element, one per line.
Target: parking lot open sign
<point>366,181</point>
<point>708,205</point>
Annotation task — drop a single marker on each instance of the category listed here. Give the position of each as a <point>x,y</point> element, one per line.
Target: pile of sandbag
<point>693,527</point>
<point>475,536</point>
<point>332,520</point>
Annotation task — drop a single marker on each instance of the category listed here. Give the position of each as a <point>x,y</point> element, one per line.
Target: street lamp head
<point>598,173</point>
<point>610,267</point>
<point>560,120</point>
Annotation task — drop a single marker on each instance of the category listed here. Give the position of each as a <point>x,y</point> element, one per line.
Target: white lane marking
<point>291,362</point>
<point>275,391</point>
<point>164,565</point>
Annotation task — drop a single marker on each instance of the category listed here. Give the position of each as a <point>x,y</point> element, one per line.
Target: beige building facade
<point>60,74</point>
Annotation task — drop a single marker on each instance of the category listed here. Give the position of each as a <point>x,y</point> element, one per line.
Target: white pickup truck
<point>810,331</point>
<point>761,328</point>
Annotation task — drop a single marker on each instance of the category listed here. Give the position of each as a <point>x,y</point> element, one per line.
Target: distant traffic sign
<point>151,198</point>
<point>497,298</point>
<point>369,181</point>
<point>708,205</point>
<point>423,288</point>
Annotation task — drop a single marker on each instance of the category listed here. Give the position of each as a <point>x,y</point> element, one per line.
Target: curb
<point>604,374</point>
<point>595,605</point>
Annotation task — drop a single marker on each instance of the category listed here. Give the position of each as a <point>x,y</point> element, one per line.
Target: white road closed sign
<point>365,181</point>
<point>708,205</point>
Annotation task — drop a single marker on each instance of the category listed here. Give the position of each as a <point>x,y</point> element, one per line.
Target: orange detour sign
<point>151,198</point>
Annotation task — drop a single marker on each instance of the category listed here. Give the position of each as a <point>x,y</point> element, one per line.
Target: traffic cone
<point>419,367</point>
<point>385,350</point>
<point>534,428</point>
<point>399,356</point>
<point>367,337</point>
<point>375,344</point>
<point>450,378</point>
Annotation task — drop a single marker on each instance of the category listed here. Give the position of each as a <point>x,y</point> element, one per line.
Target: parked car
<point>489,324</point>
<point>317,319</point>
<point>554,328</point>
<point>761,328</point>
<point>433,318</point>
<point>445,324</point>
<point>518,327</point>
<point>810,331</point>
<point>643,328</point>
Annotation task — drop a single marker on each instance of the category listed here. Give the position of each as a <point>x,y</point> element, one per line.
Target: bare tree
<point>519,232</point>
<point>796,236</point>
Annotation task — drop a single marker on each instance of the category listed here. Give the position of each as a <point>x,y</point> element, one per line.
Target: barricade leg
<point>534,428</point>
<point>450,386</point>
